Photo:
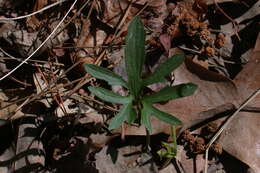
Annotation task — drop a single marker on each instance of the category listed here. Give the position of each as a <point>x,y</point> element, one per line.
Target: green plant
<point>169,150</point>
<point>137,106</point>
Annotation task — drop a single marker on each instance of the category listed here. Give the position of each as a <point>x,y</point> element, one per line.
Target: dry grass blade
<point>34,13</point>
<point>52,33</point>
<point>225,125</point>
<point>73,18</point>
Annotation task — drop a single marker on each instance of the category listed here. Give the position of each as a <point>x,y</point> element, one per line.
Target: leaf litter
<point>221,58</point>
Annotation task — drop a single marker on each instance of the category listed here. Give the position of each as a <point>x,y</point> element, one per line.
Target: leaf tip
<point>189,89</point>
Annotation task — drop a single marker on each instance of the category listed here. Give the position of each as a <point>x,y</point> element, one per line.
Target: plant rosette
<point>136,106</point>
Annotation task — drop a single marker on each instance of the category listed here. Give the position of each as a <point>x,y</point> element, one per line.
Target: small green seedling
<point>170,148</point>
<point>137,106</point>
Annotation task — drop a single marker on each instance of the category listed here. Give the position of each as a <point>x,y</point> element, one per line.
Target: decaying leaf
<point>242,138</point>
<point>33,22</point>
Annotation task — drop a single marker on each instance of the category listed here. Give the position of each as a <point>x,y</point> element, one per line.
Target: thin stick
<point>123,19</point>
<point>71,19</point>
<point>31,60</point>
<point>225,125</point>
<point>7,54</point>
<point>49,87</point>
<point>121,30</point>
<point>20,82</point>
<point>87,98</point>
<point>191,50</point>
<point>36,12</point>
<point>229,18</point>
<point>52,33</point>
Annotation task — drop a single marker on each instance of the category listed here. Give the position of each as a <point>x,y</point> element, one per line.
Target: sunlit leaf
<point>109,96</point>
<point>105,74</point>
<point>172,92</point>
<point>135,55</point>
<point>168,118</point>
<point>164,69</point>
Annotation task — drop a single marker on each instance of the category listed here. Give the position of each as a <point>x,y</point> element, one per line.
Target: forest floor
<point>50,122</point>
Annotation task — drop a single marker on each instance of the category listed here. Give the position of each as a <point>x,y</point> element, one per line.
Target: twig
<point>31,60</point>
<point>7,54</point>
<point>48,87</point>
<point>86,78</point>
<point>52,33</point>
<point>47,90</point>
<point>30,99</point>
<point>71,19</point>
<point>119,25</point>
<point>36,12</point>
<point>229,18</point>
<point>93,47</point>
<point>190,50</point>
<point>57,96</point>
<point>121,30</point>
<point>20,82</point>
<point>225,125</point>
<point>87,98</point>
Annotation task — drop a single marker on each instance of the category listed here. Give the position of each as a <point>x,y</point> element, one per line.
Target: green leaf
<point>121,116</point>
<point>164,69</point>
<point>168,118</point>
<point>135,55</point>
<point>145,117</point>
<point>109,96</point>
<point>188,89</point>
<point>105,74</point>
<point>162,154</point>
<point>132,116</point>
<point>171,92</point>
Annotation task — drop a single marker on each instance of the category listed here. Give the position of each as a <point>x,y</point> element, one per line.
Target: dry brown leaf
<point>128,164</point>
<point>242,138</point>
<point>165,40</point>
<point>33,22</point>
<point>201,71</point>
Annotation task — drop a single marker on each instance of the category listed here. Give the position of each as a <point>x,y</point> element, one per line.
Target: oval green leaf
<point>145,117</point>
<point>109,96</point>
<point>135,54</point>
<point>120,117</point>
<point>132,116</point>
<point>164,69</point>
<point>105,74</point>
<point>171,92</point>
<point>168,118</point>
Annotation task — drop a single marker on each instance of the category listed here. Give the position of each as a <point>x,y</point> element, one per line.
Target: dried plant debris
<point>197,143</point>
<point>186,22</point>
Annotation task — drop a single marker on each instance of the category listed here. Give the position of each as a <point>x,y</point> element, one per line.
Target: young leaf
<point>171,92</point>
<point>145,117</point>
<point>135,55</point>
<point>168,118</point>
<point>121,116</point>
<point>164,69</point>
<point>109,96</point>
<point>105,74</point>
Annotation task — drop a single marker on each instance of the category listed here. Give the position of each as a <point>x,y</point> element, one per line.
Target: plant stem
<point>174,140</point>
<point>148,140</point>
<point>173,128</point>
